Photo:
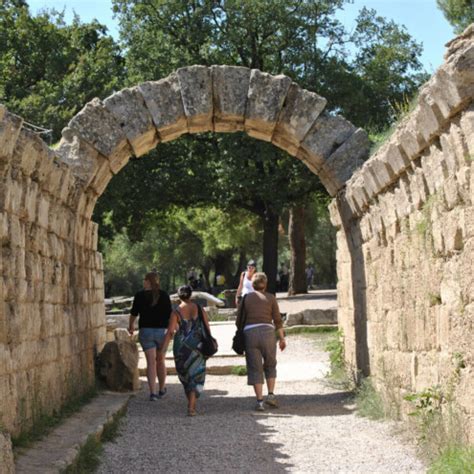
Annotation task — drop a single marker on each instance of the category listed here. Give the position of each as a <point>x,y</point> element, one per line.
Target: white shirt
<point>247,286</point>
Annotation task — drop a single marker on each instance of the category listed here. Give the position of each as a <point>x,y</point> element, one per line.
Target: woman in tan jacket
<point>261,316</point>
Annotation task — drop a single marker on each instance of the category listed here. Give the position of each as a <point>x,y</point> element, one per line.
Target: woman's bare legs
<point>191,402</point>
<point>151,357</point>
<point>161,369</point>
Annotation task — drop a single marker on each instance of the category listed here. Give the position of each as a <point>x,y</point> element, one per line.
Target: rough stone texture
<point>100,129</point>
<point>326,135</point>
<point>163,99</point>
<point>312,317</point>
<point>128,107</point>
<point>6,454</point>
<point>119,365</point>
<point>406,247</point>
<point>196,91</point>
<point>300,110</point>
<point>230,85</point>
<point>265,100</point>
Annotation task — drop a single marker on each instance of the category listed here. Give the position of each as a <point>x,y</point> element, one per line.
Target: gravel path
<point>315,430</point>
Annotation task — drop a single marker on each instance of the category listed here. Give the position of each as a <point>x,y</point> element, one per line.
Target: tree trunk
<point>270,249</point>
<point>298,251</point>
<point>240,269</point>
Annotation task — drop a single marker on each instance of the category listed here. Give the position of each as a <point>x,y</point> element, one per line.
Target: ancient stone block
<point>467,127</point>
<point>395,158</point>
<point>266,96</point>
<point>409,139</point>
<point>230,85</point>
<point>96,125</point>
<point>10,127</point>
<point>128,107</point>
<point>326,135</point>
<point>195,83</point>
<point>119,365</point>
<point>428,123</point>
<point>300,110</point>
<point>6,454</point>
<point>347,158</point>
<point>163,99</point>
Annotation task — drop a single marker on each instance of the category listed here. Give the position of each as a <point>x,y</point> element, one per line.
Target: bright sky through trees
<point>423,20</point>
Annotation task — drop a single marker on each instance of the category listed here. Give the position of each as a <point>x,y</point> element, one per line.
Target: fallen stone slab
<point>61,447</point>
<point>312,317</point>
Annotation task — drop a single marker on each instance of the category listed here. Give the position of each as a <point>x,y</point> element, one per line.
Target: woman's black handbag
<point>238,343</point>
<point>208,345</point>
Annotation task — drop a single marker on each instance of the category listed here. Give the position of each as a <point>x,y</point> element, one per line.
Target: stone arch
<point>52,319</point>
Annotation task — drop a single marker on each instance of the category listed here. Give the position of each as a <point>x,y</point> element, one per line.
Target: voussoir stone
<point>97,126</point>
<point>326,135</point>
<point>265,100</point>
<point>128,107</point>
<point>348,157</point>
<point>230,85</point>
<point>163,99</point>
<point>196,91</point>
<point>300,110</point>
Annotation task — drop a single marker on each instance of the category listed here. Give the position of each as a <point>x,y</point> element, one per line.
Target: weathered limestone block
<point>467,127</point>
<point>230,85</point>
<point>82,158</point>
<point>395,158</point>
<point>300,110</point>
<point>163,99</point>
<point>25,154</point>
<point>128,107</point>
<point>427,123</point>
<point>121,334</point>
<point>409,139</point>
<point>265,100</point>
<point>119,365</point>
<point>196,91</point>
<point>326,135</point>
<point>334,214</point>
<point>10,127</point>
<point>460,66</point>
<point>6,454</point>
<point>95,124</point>
<point>347,158</point>
<point>42,211</point>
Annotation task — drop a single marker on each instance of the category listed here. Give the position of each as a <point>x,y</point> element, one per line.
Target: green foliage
<point>238,370</point>
<point>44,424</point>
<point>49,70</point>
<point>335,348</point>
<point>88,459</point>
<point>369,402</point>
<point>454,460</point>
<point>459,13</point>
<point>311,330</point>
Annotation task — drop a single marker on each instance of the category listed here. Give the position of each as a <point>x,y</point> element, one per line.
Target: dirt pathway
<point>315,430</point>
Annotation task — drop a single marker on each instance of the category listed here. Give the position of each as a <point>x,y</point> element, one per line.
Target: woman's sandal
<point>191,412</point>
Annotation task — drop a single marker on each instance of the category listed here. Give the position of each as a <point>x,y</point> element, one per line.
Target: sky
<point>422,19</point>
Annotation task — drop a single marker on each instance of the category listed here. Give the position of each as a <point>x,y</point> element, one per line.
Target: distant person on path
<point>262,316</point>
<point>284,277</point>
<point>153,307</point>
<point>245,284</point>
<point>309,276</point>
<point>188,320</point>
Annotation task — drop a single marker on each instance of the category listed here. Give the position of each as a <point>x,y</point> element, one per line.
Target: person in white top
<point>245,284</point>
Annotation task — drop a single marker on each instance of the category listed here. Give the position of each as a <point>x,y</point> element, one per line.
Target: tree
<point>459,13</point>
<point>49,70</point>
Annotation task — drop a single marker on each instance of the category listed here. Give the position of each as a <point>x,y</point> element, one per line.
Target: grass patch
<point>369,403</point>
<point>239,370</point>
<point>44,424</point>
<point>218,317</point>
<point>337,366</point>
<point>310,330</point>
<point>88,459</point>
<point>454,460</point>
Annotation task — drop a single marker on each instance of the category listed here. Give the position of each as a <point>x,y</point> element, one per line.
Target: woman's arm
<point>131,324</point>
<point>239,288</point>
<point>276,316</point>
<point>205,318</point>
<point>134,312</point>
<point>172,326</point>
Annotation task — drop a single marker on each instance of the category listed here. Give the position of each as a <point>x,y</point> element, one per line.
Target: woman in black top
<point>153,306</point>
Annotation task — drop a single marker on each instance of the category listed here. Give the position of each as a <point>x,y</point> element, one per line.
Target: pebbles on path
<point>316,430</point>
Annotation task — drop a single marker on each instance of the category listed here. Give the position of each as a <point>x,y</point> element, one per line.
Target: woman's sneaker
<point>153,397</point>
<point>162,393</point>
<point>259,406</point>
<point>272,401</point>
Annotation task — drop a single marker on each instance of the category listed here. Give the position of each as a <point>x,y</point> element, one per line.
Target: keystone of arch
<point>100,139</point>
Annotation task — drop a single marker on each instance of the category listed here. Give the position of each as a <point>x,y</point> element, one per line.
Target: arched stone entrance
<point>52,319</point>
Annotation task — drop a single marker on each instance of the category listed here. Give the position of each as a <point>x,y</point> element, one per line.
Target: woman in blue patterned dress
<point>190,363</point>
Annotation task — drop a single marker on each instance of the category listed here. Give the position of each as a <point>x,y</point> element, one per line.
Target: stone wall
<point>51,290</point>
<point>406,246</point>
<point>52,317</point>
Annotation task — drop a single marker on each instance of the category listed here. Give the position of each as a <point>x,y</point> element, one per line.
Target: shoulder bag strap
<point>201,317</point>
<point>244,313</point>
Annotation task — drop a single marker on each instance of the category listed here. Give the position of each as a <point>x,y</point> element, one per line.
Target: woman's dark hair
<point>152,277</point>
<point>185,292</point>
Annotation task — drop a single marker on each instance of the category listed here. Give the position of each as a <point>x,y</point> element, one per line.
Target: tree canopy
<point>459,13</point>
